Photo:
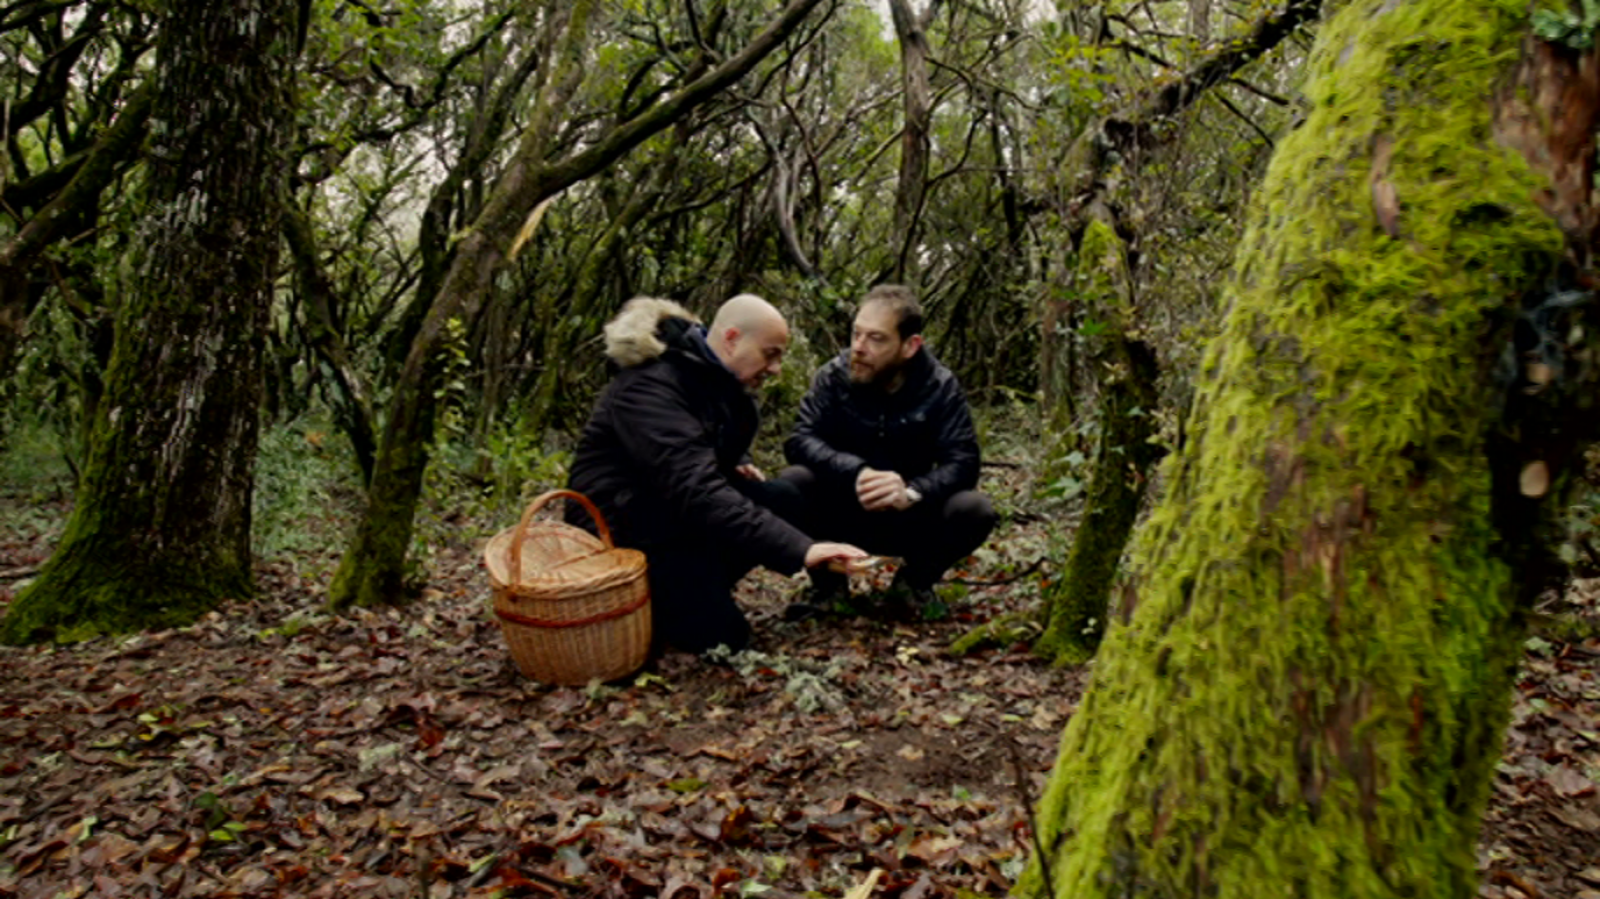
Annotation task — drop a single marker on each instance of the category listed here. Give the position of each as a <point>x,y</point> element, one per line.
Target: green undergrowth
<point>307,487</point>
<point>34,460</point>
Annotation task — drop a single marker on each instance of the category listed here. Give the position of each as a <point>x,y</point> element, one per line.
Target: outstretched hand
<point>824,553</point>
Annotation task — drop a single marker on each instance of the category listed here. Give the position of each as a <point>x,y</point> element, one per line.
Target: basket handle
<point>539,502</point>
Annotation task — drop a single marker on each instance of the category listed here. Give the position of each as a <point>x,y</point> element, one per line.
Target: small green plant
<point>489,485</point>
<point>812,687</point>
<point>220,824</point>
<point>452,419</point>
<point>1566,27</point>
<point>1064,488</point>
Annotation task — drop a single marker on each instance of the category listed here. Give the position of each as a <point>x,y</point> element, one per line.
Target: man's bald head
<point>747,312</point>
<point>749,335</point>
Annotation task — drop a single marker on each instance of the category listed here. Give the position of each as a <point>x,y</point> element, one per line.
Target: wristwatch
<point>914,495</point>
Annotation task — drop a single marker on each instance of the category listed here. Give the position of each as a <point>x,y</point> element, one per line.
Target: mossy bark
<point>160,528</point>
<point>373,569</point>
<point>1305,682</point>
<point>1075,603</point>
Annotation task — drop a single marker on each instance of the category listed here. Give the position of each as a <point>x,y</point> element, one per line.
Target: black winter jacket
<point>659,453</point>
<point>923,431</point>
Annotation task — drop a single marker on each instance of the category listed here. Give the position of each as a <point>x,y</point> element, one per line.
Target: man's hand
<point>823,553</point>
<point>879,490</point>
<point>750,472</point>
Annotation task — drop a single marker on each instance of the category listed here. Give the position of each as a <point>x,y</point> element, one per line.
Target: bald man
<point>665,455</point>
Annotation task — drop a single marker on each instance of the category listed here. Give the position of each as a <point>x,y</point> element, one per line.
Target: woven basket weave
<point>573,608</point>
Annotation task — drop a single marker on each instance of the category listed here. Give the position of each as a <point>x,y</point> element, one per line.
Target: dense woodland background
<point>303,300</point>
<point>794,183</point>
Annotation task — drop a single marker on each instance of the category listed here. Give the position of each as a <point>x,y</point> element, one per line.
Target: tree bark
<point>160,531</point>
<point>1305,684</point>
<point>353,408</point>
<point>373,567</point>
<point>1200,21</point>
<point>911,28</point>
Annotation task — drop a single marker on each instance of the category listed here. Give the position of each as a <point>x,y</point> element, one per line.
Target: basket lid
<point>603,569</point>
<point>564,558</point>
<point>547,544</point>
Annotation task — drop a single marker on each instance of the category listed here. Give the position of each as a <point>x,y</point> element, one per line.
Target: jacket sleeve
<point>956,454</point>
<point>808,445</point>
<point>674,451</point>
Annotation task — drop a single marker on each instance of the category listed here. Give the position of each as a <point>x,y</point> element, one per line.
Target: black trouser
<point>930,536</point>
<point>692,581</point>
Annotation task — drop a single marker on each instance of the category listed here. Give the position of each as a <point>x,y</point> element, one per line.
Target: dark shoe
<point>824,597</point>
<point>905,601</point>
<point>802,611</point>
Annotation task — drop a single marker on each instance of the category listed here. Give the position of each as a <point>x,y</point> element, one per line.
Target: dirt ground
<point>273,749</point>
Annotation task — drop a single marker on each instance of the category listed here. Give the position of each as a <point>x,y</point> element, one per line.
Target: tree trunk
<point>1305,683</point>
<point>1200,21</point>
<point>1075,604</point>
<point>373,567</point>
<point>352,409</point>
<point>160,531</point>
<point>911,28</point>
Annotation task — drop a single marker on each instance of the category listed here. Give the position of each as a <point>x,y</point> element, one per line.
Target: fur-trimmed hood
<point>631,337</point>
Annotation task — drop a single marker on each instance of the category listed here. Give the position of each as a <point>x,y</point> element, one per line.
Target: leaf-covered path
<point>274,750</point>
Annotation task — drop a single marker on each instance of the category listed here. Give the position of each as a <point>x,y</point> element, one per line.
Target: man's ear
<point>910,346</point>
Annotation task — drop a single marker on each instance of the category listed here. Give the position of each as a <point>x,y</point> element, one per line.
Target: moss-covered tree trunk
<point>160,528</point>
<point>1304,685</point>
<point>1075,603</point>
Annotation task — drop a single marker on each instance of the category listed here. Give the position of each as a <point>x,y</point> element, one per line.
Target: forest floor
<point>273,749</point>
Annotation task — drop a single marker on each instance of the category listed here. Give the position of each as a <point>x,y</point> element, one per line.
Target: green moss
<point>997,633</point>
<point>1099,291</point>
<point>90,588</point>
<point>1102,275</point>
<point>1306,693</point>
<point>372,570</point>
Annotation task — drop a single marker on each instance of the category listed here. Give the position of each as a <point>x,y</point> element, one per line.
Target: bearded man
<point>886,458</point>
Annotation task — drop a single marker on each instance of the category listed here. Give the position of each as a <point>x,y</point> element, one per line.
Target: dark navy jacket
<point>659,453</point>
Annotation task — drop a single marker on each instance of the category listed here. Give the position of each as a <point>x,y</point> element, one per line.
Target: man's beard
<point>861,373</point>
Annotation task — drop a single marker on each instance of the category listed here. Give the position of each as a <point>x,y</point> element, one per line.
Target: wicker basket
<point>572,607</point>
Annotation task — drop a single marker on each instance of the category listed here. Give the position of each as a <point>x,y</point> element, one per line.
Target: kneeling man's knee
<point>800,476</point>
<point>970,506</point>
